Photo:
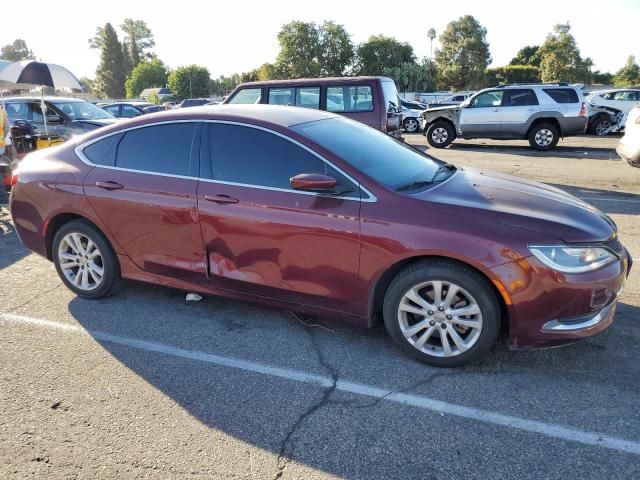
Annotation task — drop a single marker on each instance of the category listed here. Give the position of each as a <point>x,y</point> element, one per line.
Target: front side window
<point>159,148</point>
<point>247,96</point>
<point>520,98</point>
<point>492,98</point>
<point>350,98</point>
<point>129,112</point>
<point>390,95</point>
<point>251,156</point>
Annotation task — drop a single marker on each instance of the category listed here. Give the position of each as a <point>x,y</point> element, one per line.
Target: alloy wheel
<point>81,261</point>
<point>544,137</point>
<point>440,318</point>
<point>410,125</point>
<point>439,135</point>
<point>603,127</point>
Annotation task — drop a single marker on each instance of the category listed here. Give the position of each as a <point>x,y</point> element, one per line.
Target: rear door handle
<point>220,199</point>
<point>109,185</point>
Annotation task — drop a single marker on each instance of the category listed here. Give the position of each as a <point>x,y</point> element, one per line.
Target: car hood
<point>524,204</point>
<point>447,107</point>
<point>98,122</point>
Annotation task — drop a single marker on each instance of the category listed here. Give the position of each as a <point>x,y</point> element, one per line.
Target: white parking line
<point>420,401</point>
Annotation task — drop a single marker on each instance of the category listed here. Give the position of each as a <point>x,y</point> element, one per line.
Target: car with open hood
<point>310,211</point>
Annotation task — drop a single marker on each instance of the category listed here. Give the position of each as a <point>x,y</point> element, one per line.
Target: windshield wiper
<point>414,185</point>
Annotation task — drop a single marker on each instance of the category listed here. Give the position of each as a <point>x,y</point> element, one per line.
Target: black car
<point>192,102</point>
<point>65,116</point>
<point>131,109</point>
<point>413,105</point>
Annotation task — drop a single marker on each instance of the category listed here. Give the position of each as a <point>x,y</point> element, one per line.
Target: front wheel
<point>410,125</point>
<point>440,134</point>
<point>601,126</point>
<point>442,313</point>
<point>544,136</point>
<point>84,260</point>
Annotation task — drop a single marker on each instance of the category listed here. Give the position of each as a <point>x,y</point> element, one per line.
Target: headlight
<point>573,259</point>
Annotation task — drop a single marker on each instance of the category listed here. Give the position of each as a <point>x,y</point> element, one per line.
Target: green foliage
<point>464,55</point>
<point>189,82</point>
<point>527,56</point>
<point>602,78</point>
<point>414,77</point>
<point>154,98</point>
<point>110,74</point>
<point>88,85</point>
<point>380,53</point>
<point>560,59</point>
<point>137,41</point>
<point>16,51</point>
<point>512,74</point>
<point>310,50</point>
<point>629,75</point>
<point>147,74</point>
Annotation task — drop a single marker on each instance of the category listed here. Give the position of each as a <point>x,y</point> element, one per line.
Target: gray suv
<point>541,113</point>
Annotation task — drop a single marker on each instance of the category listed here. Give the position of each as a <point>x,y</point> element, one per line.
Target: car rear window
<point>562,95</point>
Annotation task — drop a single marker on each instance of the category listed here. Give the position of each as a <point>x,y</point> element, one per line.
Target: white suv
<point>541,113</point>
<point>609,109</point>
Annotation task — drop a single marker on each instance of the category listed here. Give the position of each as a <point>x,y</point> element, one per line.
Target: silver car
<point>629,146</point>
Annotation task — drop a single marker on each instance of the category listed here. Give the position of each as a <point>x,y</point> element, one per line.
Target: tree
<point>154,98</point>
<point>602,78</point>
<point>527,56</point>
<point>299,54</point>
<point>464,54</point>
<point>512,74</point>
<point>189,82</point>
<point>110,74</point>
<point>413,77</point>
<point>380,53</point>
<point>137,41</point>
<point>629,75</point>
<point>88,85</point>
<point>336,49</point>
<point>560,59</point>
<point>16,51</point>
<point>147,74</point>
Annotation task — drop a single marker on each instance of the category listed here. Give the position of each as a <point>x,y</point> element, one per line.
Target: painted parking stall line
<point>414,400</point>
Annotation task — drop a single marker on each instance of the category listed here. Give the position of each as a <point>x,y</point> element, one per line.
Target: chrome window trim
<point>79,150</point>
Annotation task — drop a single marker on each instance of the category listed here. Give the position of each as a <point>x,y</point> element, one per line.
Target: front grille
<point>614,245</point>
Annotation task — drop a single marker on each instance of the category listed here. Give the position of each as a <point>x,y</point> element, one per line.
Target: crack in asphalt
<point>283,461</point>
<point>35,297</point>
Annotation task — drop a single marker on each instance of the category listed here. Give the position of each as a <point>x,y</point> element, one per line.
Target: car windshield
<point>82,111</point>
<point>383,158</point>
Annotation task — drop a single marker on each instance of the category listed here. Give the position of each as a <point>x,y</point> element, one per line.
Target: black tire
<point>599,125</point>
<point>544,136</point>
<point>456,273</point>
<point>108,260</point>
<point>411,125</point>
<point>440,134</point>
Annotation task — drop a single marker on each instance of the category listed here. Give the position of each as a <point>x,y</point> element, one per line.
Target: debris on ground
<point>307,323</point>
<point>193,297</point>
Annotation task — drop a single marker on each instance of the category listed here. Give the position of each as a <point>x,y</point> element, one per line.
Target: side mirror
<point>313,182</point>
<point>54,120</point>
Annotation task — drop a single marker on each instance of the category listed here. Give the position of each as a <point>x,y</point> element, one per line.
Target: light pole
<point>431,35</point>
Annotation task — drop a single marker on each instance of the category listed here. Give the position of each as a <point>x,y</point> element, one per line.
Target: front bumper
<point>547,308</point>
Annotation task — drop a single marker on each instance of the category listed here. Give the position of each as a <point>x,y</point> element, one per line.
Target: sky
<point>233,37</point>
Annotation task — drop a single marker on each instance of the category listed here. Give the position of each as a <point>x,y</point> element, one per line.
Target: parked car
<point>131,109</point>
<point>415,105</point>
<point>410,119</point>
<point>629,145</point>
<point>373,101</point>
<point>310,211</point>
<point>608,109</point>
<point>192,102</point>
<point>65,116</point>
<point>541,113</point>
<point>455,99</point>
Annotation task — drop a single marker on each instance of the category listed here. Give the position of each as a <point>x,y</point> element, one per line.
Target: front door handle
<point>110,185</point>
<point>220,199</point>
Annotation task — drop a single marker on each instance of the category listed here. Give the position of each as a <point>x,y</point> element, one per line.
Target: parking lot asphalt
<point>146,385</point>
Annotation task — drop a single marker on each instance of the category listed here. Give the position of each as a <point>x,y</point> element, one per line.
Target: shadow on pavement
<point>11,250</point>
<point>276,415</point>
<point>588,153</point>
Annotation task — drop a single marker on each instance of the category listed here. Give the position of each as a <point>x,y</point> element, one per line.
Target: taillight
<point>583,110</point>
<point>14,180</point>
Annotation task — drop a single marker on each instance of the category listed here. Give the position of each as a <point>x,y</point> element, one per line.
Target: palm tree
<point>431,35</point>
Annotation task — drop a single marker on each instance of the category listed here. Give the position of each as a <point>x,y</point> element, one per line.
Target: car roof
<point>134,102</point>
<point>272,115</point>
<point>35,98</point>
<point>311,81</point>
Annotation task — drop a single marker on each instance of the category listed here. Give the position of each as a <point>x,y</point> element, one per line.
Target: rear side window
<point>519,98</point>
<point>159,148</point>
<point>281,96</point>
<point>306,97</point>
<point>350,98</point>
<point>247,95</point>
<point>254,157</point>
<point>103,151</point>
<point>562,95</point>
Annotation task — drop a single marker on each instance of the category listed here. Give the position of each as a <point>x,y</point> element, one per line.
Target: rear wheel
<point>440,134</point>
<point>442,313</point>
<point>84,260</point>
<point>544,136</point>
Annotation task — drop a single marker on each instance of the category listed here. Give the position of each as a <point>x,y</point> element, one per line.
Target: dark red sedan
<point>313,212</point>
